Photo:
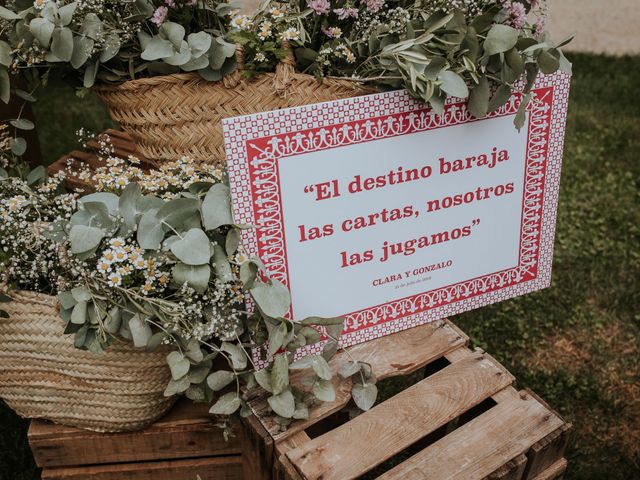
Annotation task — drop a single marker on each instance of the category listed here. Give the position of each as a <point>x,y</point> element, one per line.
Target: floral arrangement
<point>476,49</point>
<point>155,258</point>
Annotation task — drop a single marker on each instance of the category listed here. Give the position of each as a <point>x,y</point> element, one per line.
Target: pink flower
<point>321,7</point>
<point>373,5</point>
<point>344,13</point>
<point>517,13</point>
<point>332,32</point>
<point>160,15</point>
<point>170,3</point>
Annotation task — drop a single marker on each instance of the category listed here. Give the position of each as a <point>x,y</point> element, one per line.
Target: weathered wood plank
<point>554,472</point>
<point>186,432</point>
<point>549,450</point>
<point>398,354</point>
<point>401,420</point>
<point>283,469</point>
<point>478,448</point>
<point>257,450</point>
<point>214,468</point>
<point>512,470</point>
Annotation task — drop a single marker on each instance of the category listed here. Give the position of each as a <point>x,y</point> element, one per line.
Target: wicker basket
<point>174,115</point>
<point>42,375</point>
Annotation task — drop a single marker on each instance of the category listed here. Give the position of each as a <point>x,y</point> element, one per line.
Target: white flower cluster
<point>469,7</point>
<point>165,181</point>
<point>394,20</point>
<point>212,314</point>
<point>27,258</point>
<point>124,262</point>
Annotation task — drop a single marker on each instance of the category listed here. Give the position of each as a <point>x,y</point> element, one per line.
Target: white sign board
<point>379,210</point>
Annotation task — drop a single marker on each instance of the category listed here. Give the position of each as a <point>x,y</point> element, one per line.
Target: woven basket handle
<point>284,70</point>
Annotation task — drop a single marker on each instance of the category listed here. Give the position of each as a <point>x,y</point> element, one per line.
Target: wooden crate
<point>180,446</point>
<point>464,420</point>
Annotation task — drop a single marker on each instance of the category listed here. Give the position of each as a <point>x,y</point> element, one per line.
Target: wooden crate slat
<point>214,468</point>
<point>481,446</point>
<point>257,448</point>
<point>283,468</point>
<point>512,470</point>
<point>544,453</point>
<point>398,354</point>
<point>186,432</point>
<point>400,421</point>
<point>554,472</point>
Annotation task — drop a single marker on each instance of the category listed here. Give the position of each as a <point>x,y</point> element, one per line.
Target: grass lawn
<point>577,344</point>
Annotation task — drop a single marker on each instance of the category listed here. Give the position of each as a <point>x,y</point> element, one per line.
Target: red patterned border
<point>254,143</point>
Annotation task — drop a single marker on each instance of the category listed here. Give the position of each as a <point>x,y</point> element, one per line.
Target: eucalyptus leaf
<point>150,231</point>
<point>283,404</point>
<point>110,48</point>
<point>248,273</point>
<point>222,266</point>
<point>127,204</point>
<point>500,38</point>
<point>479,98</point>
<point>280,374</point>
<point>67,300</point>
<point>155,341</point>
<point>199,43</point>
<point>193,248</point>
<point>216,207</point>
<point>220,379</point>
<point>90,74</point>
<point>502,95</point>
<point>79,294</point>
<point>196,276</point>
<point>84,238</point>
<point>65,13</point>
<point>237,354</point>
<point>177,386</point>
<point>349,369</point>
<point>277,339</point>
<point>5,54</point>
<point>364,395</point>
<point>453,84</point>
<point>548,62</point>
<point>140,331</point>
<point>175,212</point>
<point>324,391</point>
<point>178,364</point>
<point>263,377</point>
<point>301,412</point>
<point>321,367</point>
<point>174,32</point>
<point>18,144</point>
<point>193,350</point>
<point>226,404</point>
<point>42,29</point>
<point>232,241</point>
<point>273,299</point>
<point>110,200</point>
<point>79,313</point>
<point>157,48</point>
<point>195,393</point>
<point>8,14</point>
<point>113,321</point>
<point>198,374</point>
